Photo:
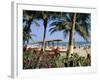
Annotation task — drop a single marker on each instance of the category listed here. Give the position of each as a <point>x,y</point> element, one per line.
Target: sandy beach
<point>82,51</point>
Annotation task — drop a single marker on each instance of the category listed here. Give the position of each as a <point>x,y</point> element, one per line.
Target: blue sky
<point>38,31</point>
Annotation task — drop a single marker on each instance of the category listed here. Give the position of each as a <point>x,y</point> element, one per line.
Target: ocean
<point>61,43</point>
<point>66,44</point>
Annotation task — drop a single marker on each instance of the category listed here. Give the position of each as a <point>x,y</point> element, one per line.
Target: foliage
<point>60,22</point>
<point>64,23</point>
<point>75,60</point>
<point>52,60</point>
<point>30,57</point>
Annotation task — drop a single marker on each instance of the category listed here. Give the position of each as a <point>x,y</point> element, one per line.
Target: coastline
<point>82,51</point>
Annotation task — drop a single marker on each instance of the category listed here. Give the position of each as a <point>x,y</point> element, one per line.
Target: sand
<point>82,51</point>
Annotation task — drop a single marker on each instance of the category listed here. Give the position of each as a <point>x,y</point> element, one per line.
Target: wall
<point>5,36</point>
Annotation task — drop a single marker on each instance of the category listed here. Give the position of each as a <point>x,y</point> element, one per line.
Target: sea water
<point>62,43</point>
<point>66,44</point>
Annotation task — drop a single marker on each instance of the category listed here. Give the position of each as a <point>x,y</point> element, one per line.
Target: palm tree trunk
<point>71,37</point>
<point>44,35</point>
<point>42,51</point>
<point>43,45</point>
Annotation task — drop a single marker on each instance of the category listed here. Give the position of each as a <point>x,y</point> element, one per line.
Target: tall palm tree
<point>71,23</point>
<point>71,38</point>
<point>46,17</point>
<point>40,15</point>
<point>26,30</point>
<point>31,15</point>
<point>27,21</point>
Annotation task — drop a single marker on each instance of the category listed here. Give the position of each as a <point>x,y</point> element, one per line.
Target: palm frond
<point>60,25</point>
<point>83,31</point>
<point>65,32</point>
<point>55,29</point>
<point>84,19</point>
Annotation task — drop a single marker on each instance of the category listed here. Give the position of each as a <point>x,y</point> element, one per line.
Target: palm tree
<point>71,23</point>
<point>40,15</point>
<point>71,38</point>
<point>26,30</point>
<point>27,21</point>
<point>45,20</point>
<point>45,17</point>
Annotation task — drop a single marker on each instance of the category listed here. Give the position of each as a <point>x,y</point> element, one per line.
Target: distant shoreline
<point>77,44</point>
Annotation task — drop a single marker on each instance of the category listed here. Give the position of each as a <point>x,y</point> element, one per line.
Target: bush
<point>33,59</point>
<point>47,60</point>
<point>75,61</point>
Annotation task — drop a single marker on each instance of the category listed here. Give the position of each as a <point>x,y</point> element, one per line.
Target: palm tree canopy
<point>82,25</point>
<point>27,33</point>
<point>30,16</point>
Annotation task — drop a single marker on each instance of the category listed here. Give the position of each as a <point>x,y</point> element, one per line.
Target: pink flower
<point>49,66</point>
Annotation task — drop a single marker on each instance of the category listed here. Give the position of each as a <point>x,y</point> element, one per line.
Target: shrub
<point>52,60</point>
